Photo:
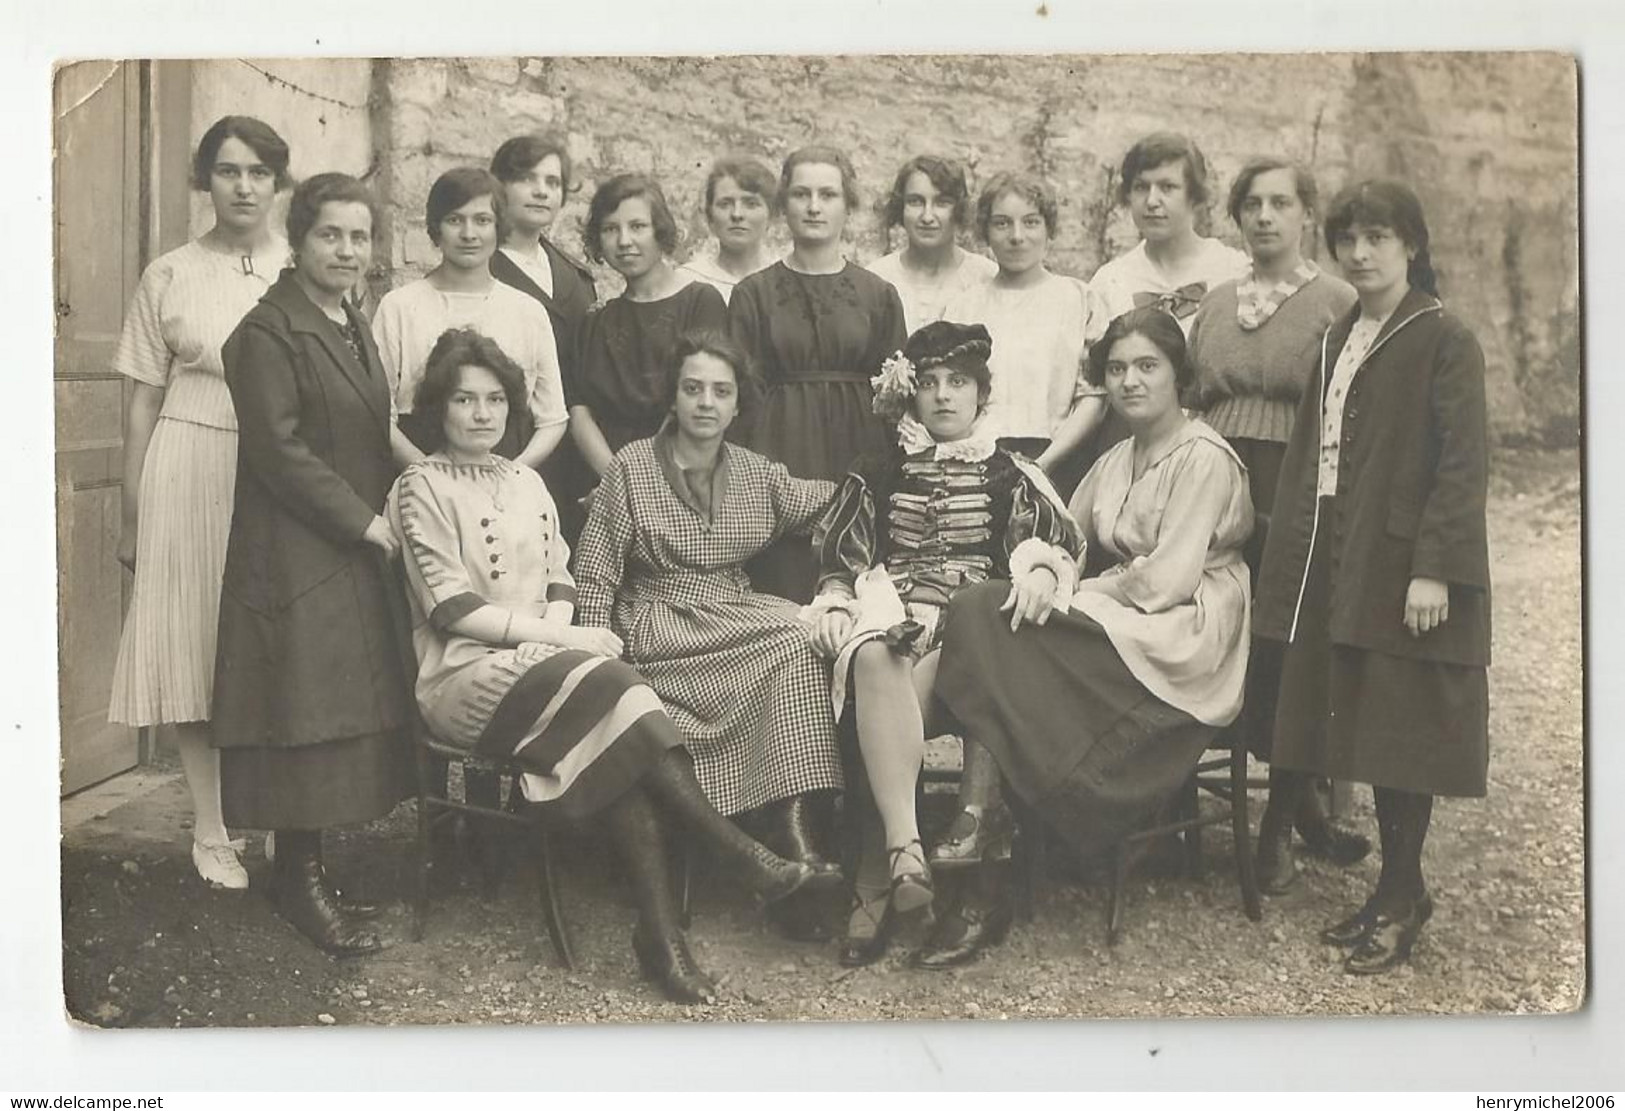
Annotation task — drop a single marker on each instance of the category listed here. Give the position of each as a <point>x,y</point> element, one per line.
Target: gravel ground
<point>147,945</point>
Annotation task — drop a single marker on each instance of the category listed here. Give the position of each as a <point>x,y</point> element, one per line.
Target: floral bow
<point>894,386</point>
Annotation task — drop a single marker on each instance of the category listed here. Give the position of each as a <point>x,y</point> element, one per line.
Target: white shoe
<point>218,865</point>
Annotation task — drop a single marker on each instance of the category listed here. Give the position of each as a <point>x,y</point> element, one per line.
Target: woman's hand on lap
<point>831,632</point>
<point>1032,598</point>
<point>600,642</point>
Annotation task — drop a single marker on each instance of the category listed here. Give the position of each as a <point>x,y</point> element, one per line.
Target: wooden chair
<point>435,806</point>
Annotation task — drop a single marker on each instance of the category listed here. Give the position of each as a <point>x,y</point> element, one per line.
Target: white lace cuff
<point>829,602</point>
<point>1033,553</point>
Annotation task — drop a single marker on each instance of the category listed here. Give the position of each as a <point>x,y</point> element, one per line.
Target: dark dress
<point>817,340</point>
<point>620,371</point>
<point>1361,699</point>
<point>313,704</point>
<point>567,306</point>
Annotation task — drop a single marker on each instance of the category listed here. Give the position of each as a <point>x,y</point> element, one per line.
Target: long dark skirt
<point>1078,739</point>
<point>334,783</point>
<point>1390,721</point>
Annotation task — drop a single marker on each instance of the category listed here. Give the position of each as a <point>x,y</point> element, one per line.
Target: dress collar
<point>913,437</point>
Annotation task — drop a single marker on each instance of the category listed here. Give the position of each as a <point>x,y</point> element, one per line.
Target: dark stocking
<point>979,783</point>
<point>1402,824</point>
<point>1287,792</point>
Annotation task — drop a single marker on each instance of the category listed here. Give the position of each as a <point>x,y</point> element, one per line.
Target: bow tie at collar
<point>1178,303</point>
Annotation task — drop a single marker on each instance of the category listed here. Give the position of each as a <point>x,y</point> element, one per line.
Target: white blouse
<point>1361,337</point>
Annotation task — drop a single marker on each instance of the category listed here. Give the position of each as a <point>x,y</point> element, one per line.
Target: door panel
<point>97,197</point>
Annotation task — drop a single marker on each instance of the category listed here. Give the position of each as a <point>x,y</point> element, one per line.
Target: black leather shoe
<point>1334,843</point>
<point>963,936</point>
<point>302,898</point>
<point>970,838</point>
<point>1389,940</point>
<point>1277,866</point>
<point>1352,930</point>
<point>795,838</point>
<point>667,961</point>
<point>869,942</point>
<point>355,909</point>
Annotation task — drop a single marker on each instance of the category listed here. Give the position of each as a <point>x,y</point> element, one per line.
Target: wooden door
<point>97,181</point>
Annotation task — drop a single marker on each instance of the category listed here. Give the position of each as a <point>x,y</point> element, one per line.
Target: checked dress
<point>734,668</point>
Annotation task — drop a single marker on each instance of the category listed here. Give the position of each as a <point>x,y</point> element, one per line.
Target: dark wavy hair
<point>455,188</point>
<point>261,138</point>
<point>749,174</point>
<point>1160,327</point>
<point>518,156</point>
<point>965,347</point>
<point>948,177</point>
<point>820,155</point>
<point>1158,149</point>
<point>1029,187</point>
<point>305,206</point>
<point>719,345</point>
<point>617,191</point>
<point>1303,182</point>
<point>455,349</point>
<point>1389,204</point>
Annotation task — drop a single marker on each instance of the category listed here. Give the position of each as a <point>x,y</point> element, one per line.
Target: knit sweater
<point>1249,383</point>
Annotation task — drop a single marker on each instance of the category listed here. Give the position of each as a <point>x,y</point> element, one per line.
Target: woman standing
<point>1042,325</point>
<point>818,327</point>
<point>504,670</point>
<point>739,201</point>
<point>931,203</point>
<point>661,564</point>
<point>1253,343</point>
<point>1376,572</point>
<point>313,709</point>
<point>1099,711</point>
<point>464,209</point>
<point>619,392</point>
<point>180,461</point>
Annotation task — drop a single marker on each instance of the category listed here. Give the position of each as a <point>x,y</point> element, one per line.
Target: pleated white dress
<point>188,302</point>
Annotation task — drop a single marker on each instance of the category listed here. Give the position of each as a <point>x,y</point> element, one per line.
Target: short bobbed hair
<point>455,349</point>
<point>455,188</point>
<point>261,138</point>
<point>1303,182</point>
<point>946,175</point>
<point>616,192</point>
<point>749,174</point>
<point>821,155</point>
<point>1156,325</point>
<point>518,156</point>
<point>719,345</point>
<point>1029,187</point>
<point>1384,203</point>
<point>1158,149</point>
<point>305,206</point>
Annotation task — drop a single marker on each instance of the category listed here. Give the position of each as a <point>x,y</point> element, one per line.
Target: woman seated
<point>1098,713</point>
<point>662,564</point>
<point>503,670</point>
<point>945,509</point>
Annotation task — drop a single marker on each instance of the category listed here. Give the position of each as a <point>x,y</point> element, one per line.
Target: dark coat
<point>310,614</point>
<point>1412,484</point>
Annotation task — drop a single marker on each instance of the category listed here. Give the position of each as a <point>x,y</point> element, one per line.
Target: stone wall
<point>1489,140</point>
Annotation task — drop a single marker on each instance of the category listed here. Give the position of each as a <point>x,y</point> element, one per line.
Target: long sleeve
<point>1209,496</point>
<point>845,537</point>
<point>890,331</point>
<point>261,377</point>
<point>1037,514</point>
<point>605,541</point>
<point>435,572</point>
<point>745,325</point>
<point>1451,537</point>
<point>797,502</point>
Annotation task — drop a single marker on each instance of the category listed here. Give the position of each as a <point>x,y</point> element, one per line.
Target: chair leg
<point>1190,806</point>
<point>1241,834</point>
<point>685,882</point>
<point>1114,899</point>
<point>547,886</point>
<point>420,900</point>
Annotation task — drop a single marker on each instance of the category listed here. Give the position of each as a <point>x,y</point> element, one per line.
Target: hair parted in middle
<point>1029,187</point>
<point>455,188</point>
<point>455,349</point>
<point>719,345</point>
<point>1158,326</point>
<point>1377,202</point>
<point>1158,149</point>
<point>945,174</point>
<point>747,173</point>
<point>820,155</point>
<point>617,191</point>
<point>1303,182</point>
<point>305,206</point>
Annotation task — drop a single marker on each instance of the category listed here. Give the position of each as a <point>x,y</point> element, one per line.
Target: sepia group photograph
<point>886,534</point>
